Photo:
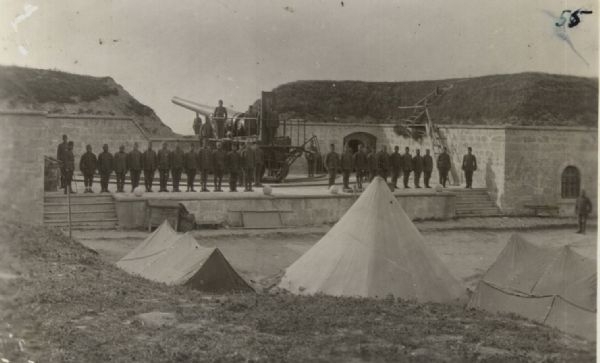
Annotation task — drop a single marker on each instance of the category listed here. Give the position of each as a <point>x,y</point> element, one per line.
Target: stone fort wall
<point>27,137</point>
<point>536,158</point>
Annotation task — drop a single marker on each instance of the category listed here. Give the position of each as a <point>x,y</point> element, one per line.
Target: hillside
<point>60,92</point>
<point>517,99</point>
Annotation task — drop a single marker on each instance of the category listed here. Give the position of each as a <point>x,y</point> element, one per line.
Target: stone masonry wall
<point>535,160</point>
<point>25,139</point>
<point>488,144</point>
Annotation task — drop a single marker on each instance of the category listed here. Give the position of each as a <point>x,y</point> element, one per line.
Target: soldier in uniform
<point>206,131</point>
<point>149,164</point>
<point>134,162</point>
<point>60,156</point>
<point>176,163</point>
<point>218,163</point>
<point>383,163</point>
<point>105,168</point>
<point>406,166</point>
<point>220,116</point>
<point>396,165</point>
<point>583,207</point>
<point>88,165</point>
<point>443,165</point>
<point>205,165</point>
<point>69,166</point>
<point>241,177</point>
<point>361,166</point>
<point>417,167</point>
<point>332,163</point>
<point>233,164</point>
<point>427,168</point>
<point>191,164</point>
<point>259,169</point>
<point>469,165</point>
<point>120,162</point>
<point>249,161</point>
<point>164,164</point>
<point>372,161</point>
<point>347,164</point>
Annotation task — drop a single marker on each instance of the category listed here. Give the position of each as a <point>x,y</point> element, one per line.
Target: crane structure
<point>419,124</point>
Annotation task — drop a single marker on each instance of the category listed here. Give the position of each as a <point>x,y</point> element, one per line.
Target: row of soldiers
<point>368,163</point>
<point>246,165</point>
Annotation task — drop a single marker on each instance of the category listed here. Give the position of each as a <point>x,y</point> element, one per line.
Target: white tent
<point>555,286</point>
<point>177,259</point>
<point>373,251</point>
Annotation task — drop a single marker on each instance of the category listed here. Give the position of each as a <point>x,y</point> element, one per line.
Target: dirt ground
<point>256,256</point>
<point>61,301</point>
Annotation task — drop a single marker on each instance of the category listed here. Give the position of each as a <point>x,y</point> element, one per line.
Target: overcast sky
<point>233,49</point>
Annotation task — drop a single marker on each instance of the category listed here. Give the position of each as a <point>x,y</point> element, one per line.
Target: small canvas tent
<point>374,250</point>
<point>177,259</point>
<point>555,286</point>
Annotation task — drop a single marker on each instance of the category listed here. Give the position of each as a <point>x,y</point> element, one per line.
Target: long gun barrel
<point>192,106</point>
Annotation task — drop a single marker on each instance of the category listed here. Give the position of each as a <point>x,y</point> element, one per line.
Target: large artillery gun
<point>278,150</point>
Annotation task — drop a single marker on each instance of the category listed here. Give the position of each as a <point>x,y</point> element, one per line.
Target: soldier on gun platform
<point>220,116</point>
<point>164,164</point>
<point>149,164</point>
<point>88,165</point>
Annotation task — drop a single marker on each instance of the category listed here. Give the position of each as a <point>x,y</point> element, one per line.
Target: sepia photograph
<point>298,181</point>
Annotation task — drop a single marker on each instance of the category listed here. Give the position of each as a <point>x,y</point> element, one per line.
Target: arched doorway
<point>355,139</point>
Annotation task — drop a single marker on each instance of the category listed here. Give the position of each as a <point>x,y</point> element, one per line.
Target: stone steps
<point>475,203</point>
<point>88,211</point>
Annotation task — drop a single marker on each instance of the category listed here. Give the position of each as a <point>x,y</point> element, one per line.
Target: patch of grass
<point>53,86</point>
<point>73,306</point>
<point>517,99</point>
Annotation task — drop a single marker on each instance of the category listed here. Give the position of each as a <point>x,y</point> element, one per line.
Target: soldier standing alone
<point>87,165</point>
<point>163,164</point>
<point>332,163</point>
<point>120,162</point>
<point>220,116</point>
<point>469,165</point>
<point>443,165</point>
<point>134,162</point>
<point>583,207</point>
<point>311,160</point>
<point>347,166</point>
<point>191,164</point>
<point>427,168</point>
<point>149,164</point>
<point>105,168</point>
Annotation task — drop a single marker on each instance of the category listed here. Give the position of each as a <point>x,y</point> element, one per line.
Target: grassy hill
<point>516,99</point>
<point>60,92</point>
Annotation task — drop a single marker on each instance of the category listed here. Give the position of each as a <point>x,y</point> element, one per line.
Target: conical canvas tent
<point>555,286</point>
<point>374,250</point>
<point>176,259</point>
